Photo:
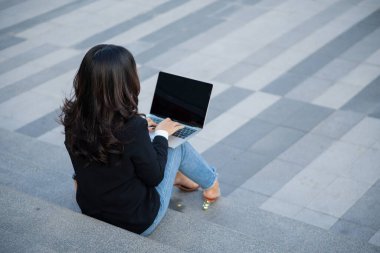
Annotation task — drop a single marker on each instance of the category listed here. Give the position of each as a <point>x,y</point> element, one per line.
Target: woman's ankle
<point>213,191</point>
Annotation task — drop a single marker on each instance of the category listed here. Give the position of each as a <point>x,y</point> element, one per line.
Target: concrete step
<point>40,178</point>
<point>192,234</point>
<point>29,224</point>
<point>235,212</point>
<point>44,171</point>
<point>36,180</point>
<point>36,167</point>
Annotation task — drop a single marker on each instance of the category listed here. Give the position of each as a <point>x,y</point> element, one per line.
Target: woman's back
<point>120,192</point>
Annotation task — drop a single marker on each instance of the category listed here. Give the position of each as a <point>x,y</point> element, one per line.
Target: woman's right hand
<point>169,126</point>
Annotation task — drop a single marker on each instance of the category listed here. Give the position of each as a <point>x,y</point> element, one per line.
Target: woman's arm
<point>149,158</point>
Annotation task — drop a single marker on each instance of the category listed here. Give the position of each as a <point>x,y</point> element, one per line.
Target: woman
<point>122,176</point>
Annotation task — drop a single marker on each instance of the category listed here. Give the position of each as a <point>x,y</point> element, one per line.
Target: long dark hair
<point>106,88</point>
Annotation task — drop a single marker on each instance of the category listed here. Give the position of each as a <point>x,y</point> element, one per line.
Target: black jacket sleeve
<point>149,158</point>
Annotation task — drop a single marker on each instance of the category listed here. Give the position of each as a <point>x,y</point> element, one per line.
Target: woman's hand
<point>169,126</point>
<point>151,124</point>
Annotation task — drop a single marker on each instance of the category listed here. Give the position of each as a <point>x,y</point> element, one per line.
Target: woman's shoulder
<point>136,120</point>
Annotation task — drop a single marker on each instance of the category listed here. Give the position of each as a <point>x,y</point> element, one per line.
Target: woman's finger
<point>178,127</point>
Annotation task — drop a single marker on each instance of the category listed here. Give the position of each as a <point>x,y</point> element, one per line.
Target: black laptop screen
<point>182,99</point>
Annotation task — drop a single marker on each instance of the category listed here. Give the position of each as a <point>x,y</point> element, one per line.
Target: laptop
<point>183,100</point>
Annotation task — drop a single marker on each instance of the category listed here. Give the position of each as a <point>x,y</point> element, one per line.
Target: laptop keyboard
<point>182,133</point>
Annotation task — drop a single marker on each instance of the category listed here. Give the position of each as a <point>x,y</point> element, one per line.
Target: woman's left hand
<point>151,124</point>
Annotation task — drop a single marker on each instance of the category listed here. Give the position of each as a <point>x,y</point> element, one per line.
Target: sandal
<point>207,201</point>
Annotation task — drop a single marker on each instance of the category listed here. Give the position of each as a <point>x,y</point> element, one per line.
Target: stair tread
<point>32,221</point>
<point>29,222</point>
<point>196,235</point>
<point>295,236</point>
<point>33,179</point>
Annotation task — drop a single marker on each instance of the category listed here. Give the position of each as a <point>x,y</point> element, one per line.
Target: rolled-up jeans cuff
<point>213,182</point>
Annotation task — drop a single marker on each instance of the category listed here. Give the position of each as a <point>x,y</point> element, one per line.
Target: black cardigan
<point>123,192</point>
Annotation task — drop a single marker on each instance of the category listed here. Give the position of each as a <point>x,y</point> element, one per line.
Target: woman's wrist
<point>162,133</point>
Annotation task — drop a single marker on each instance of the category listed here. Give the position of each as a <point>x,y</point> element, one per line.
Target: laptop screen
<point>182,99</point>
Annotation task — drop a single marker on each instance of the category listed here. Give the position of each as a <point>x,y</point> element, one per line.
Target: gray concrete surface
<point>294,120</point>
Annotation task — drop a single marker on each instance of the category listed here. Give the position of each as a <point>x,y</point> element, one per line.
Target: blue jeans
<point>187,160</point>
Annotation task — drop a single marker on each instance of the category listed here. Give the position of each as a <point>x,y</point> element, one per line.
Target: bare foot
<point>184,183</point>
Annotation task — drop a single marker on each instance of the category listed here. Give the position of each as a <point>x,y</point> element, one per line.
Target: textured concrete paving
<point>37,226</point>
<point>294,121</point>
<point>39,213</point>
